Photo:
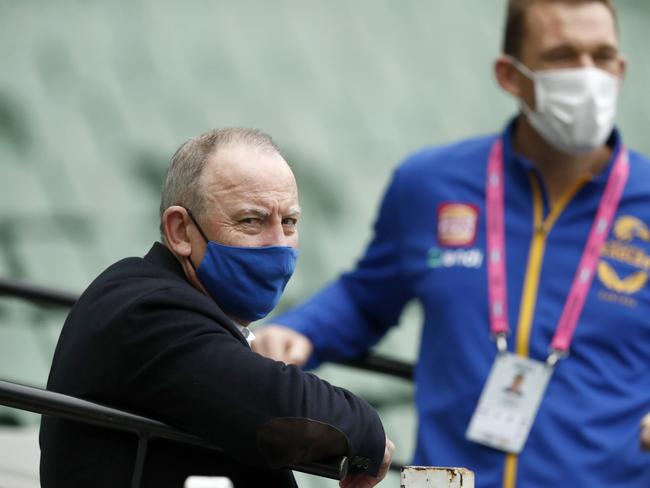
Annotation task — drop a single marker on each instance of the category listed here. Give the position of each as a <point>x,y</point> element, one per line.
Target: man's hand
<point>645,432</point>
<point>282,344</point>
<point>362,480</point>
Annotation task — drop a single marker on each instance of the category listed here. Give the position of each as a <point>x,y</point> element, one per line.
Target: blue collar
<point>516,160</point>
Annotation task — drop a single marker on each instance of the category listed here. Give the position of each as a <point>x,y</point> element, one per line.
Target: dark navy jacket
<point>142,339</point>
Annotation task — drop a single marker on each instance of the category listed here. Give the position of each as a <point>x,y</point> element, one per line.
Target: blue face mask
<point>246,282</point>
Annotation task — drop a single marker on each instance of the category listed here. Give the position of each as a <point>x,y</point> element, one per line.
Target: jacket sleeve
<point>187,370</point>
<point>351,314</point>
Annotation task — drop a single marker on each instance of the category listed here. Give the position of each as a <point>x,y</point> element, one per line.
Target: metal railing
<point>39,295</point>
<point>58,405</point>
<point>48,297</point>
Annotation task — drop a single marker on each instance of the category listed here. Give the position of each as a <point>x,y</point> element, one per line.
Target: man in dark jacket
<point>165,336</point>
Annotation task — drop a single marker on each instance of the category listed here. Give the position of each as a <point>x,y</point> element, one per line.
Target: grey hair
<point>181,185</point>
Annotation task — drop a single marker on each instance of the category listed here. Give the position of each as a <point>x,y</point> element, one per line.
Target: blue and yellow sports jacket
<point>430,245</point>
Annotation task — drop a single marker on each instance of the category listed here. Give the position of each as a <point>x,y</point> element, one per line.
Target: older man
<point>165,336</point>
<point>538,236</point>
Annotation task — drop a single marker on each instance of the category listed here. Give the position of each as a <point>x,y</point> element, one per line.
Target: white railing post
<point>207,482</point>
<point>430,477</point>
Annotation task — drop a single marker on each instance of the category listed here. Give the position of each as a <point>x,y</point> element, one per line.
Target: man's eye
<point>289,221</point>
<point>563,54</point>
<point>605,57</point>
<point>249,221</point>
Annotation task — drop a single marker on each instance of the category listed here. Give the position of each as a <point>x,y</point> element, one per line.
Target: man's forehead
<point>238,164</point>
<point>237,178</point>
<point>238,156</point>
<point>550,23</point>
<point>238,204</point>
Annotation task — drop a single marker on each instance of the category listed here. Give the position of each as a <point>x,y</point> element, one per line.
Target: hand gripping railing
<point>64,406</point>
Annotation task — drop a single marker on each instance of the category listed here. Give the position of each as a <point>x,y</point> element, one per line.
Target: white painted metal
<point>19,455</point>
<point>431,477</point>
<point>207,482</point>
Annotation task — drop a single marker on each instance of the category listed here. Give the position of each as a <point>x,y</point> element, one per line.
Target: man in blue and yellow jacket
<point>562,63</point>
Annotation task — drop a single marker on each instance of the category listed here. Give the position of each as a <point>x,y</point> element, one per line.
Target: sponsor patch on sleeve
<point>457,224</point>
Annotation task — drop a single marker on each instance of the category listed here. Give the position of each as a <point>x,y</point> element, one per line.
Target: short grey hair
<point>181,185</point>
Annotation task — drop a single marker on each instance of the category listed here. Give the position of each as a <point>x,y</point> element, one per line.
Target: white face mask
<point>574,107</point>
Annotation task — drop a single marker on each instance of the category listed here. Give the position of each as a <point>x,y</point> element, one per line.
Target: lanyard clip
<point>501,338</point>
<point>554,356</point>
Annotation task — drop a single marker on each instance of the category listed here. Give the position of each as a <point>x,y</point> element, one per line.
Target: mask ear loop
<point>522,68</point>
<point>528,73</point>
<point>189,258</point>
<point>196,224</point>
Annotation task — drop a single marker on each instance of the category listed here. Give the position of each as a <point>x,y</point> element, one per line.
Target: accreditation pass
<point>509,402</point>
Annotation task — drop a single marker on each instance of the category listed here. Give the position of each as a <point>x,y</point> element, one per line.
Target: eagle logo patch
<point>627,251</point>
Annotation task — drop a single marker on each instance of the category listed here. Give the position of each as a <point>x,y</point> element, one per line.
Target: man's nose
<point>586,60</point>
<point>273,235</point>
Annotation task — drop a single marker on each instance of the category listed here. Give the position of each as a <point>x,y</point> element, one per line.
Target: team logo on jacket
<point>624,265</point>
<point>457,224</point>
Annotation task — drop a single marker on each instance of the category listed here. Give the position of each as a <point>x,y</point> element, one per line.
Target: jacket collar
<point>160,256</point>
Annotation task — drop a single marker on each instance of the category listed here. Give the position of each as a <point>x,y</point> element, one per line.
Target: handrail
<point>50,297</point>
<point>38,294</point>
<point>64,406</point>
<point>44,296</point>
<point>382,364</point>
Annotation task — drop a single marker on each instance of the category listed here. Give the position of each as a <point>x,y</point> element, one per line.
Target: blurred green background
<point>96,96</point>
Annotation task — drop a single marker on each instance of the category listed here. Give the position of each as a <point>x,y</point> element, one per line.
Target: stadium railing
<point>55,404</point>
<point>58,405</point>
<point>54,298</point>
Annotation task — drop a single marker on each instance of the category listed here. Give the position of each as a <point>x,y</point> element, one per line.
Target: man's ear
<point>508,77</point>
<point>174,224</point>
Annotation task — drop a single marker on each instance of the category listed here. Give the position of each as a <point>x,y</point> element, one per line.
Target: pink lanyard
<point>496,244</point>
